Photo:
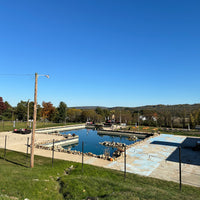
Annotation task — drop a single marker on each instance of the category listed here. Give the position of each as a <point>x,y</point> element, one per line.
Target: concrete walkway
<point>60,129</point>
<point>156,157</point>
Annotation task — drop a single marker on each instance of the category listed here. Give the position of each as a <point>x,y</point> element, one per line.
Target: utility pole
<point>34,119</point>
<point>34,122</point>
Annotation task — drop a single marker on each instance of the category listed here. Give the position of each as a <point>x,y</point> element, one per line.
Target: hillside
<point>160,107</point>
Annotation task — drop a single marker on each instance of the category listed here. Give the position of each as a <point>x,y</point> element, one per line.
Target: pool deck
<point>156,157</point>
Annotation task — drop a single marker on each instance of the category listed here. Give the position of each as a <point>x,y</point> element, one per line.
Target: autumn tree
<point>74,115</point>
<point>48,111</point>
<point>2,106</point>
<point>125,116</point>
<point>104,113</point>
<point>90,115</point>
<point>8,113</point>
<point>6,110</point>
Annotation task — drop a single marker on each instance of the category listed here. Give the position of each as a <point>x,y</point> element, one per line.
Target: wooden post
<point>34,122</point>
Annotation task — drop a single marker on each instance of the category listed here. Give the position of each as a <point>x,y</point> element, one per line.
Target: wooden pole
<point>34,122</point>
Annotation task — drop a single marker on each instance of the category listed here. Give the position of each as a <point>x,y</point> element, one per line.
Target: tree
<point>90,115</point>
<point>48,111</point>
<point>197,117</point>
<point>106,113</point>
<point>192,121</point>
<point>31,110</point>
<point>2,106</point>
<point>6,110</point>
<point>124,116</point>
<point>62,112</point>
<point>21,110</point>
<point>74,115</point>
<point>99,111</point>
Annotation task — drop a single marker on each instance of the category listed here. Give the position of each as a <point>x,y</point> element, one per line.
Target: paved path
<point>155,157</point>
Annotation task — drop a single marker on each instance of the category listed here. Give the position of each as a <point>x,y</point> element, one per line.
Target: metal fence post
<point>180,181</point>
<point>82,154</point>
<point>27,149</point>
<point>53,153</point>
<point>125,163</point>
<point>5,147</point>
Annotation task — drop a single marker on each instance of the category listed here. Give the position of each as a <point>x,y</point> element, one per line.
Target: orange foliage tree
<point>48,111</point>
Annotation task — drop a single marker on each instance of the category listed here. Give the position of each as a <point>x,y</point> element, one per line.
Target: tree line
<point>181,116</point>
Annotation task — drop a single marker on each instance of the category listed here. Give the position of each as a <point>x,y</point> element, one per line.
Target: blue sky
<point>100,52</point>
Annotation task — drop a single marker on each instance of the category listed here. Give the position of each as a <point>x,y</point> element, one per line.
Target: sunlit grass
<point>8,125</point>
<point>44,182</point>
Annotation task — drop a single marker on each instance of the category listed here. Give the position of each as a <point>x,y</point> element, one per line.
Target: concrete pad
<point>158,157</point>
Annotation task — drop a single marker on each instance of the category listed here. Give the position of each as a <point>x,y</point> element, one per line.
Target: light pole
<point>34,119</point>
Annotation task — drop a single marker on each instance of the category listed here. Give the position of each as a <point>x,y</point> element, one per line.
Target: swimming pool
<point>91,141</point>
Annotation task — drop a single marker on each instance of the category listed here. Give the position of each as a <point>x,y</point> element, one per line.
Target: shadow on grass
<point>25,158</point>
<point>15,163</point>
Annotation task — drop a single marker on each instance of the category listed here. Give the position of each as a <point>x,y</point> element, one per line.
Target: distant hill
<point>179,107</point>
<point>89,107</point>
<point>188,108</point>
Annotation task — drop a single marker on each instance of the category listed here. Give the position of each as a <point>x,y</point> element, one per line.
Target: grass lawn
<point>175,131</point>
<point>8,125</point>
<point>44,182</point>
<point>183,133</point>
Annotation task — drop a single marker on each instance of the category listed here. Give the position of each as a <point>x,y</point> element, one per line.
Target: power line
<point>16,74</point>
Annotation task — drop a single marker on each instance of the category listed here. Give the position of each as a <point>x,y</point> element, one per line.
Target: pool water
<point>91,141</point>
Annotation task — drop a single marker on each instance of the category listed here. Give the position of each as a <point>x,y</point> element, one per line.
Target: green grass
<point>40,182</point>
<point>175,131</point>
<point>8,125</point>
<point>183,133</point>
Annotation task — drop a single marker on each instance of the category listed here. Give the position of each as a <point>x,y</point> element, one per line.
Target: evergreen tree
<point>62,111</point>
